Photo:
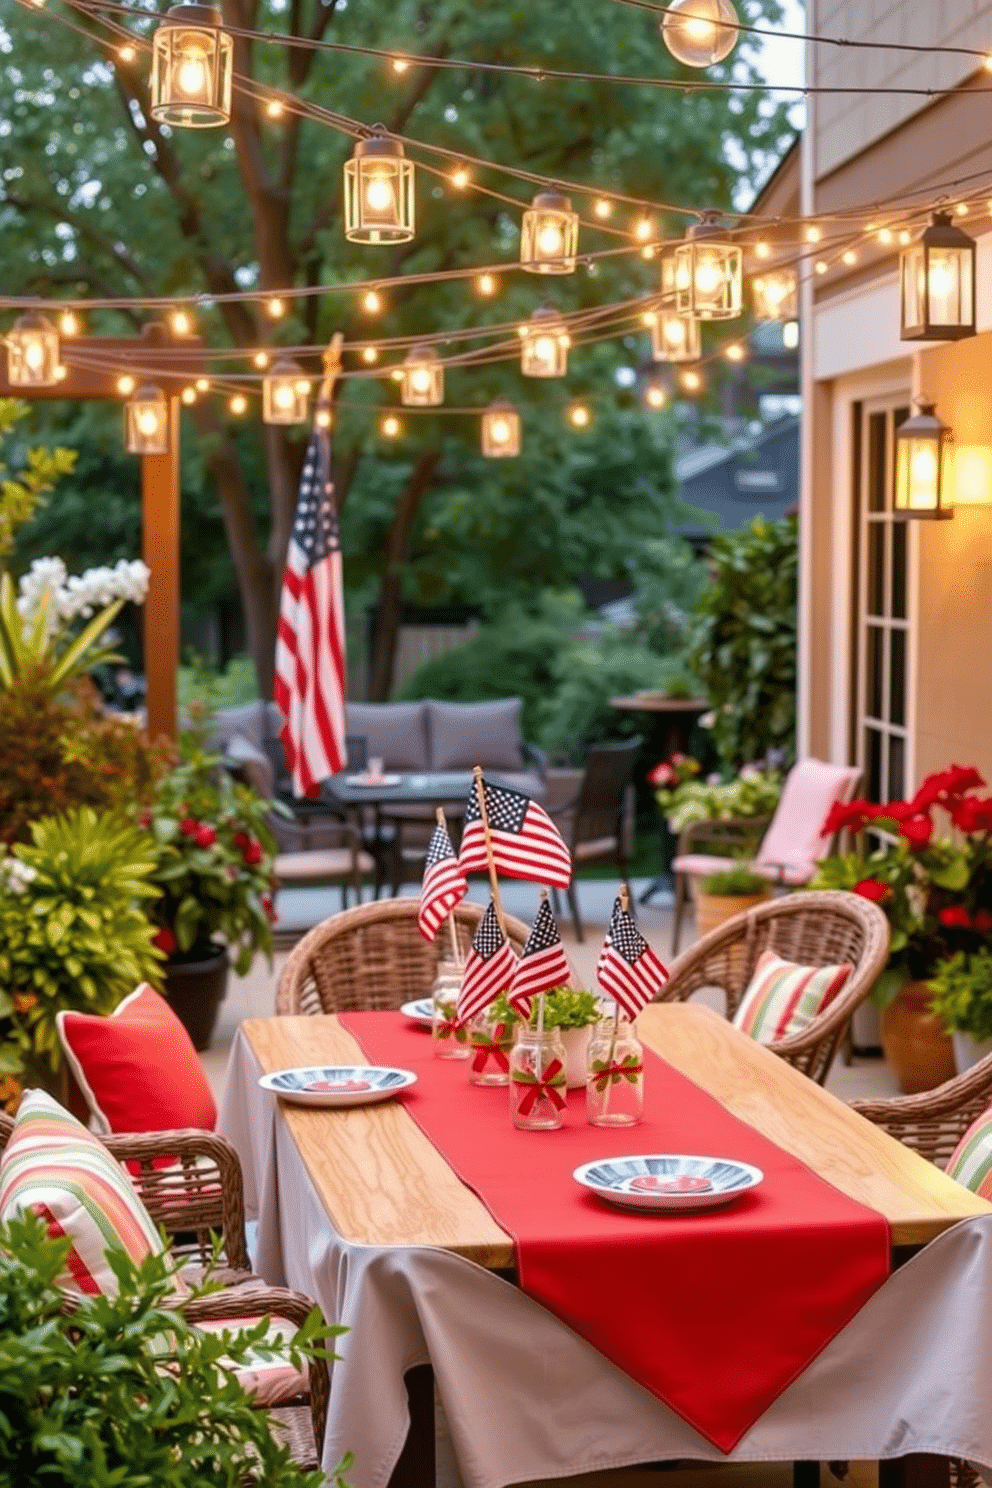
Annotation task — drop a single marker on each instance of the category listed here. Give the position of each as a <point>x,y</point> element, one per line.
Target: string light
<point>202,384</point>
<point>423,378</point>
<point>192,68</point>
<point>885,236</point>
<point>691,382</point>
<point>708,273</point>
<point>544,344</point>
<point>285,393</point>
<point>643,230</point>
<point>372,302</point>
<point>675,338</point>
<point>238,404</point>
<point>905,237</point>
<point>821,266</point>
<point>370,354</point>
<point>790,335</point>
<point>648,252</point>
<point>378,191</point>
<point>400,65</point>
<point>962,209</point>
<point>275,108</point>
<point>500,430</point>
<point>549,235</point>
<point>813,234</point>
<point>261,359</point>
<point>486,284</point>
<point>275,307</point>
<point>735,352</point>
<point>323,418</point>
<point>188,396</point>
<point>460,178</point>
<point>391,426</point>
<point>126,53</point>
<point>126,385</point>
<point>181,323</point>
<point>700,33</point>
<point>849,257</point>
<point>61,373</point>
<point>69,323</point>
<point>146,423</point>
<point>32,352</point>
<point>603,208</point>
<point>655,395</point>
<point>762,250</point>
<point>579,416</point>
<point>775,295</point>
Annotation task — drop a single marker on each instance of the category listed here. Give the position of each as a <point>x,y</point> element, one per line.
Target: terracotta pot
<point>915,1041</point>
<point>713,909</point>
<point>195,991</point>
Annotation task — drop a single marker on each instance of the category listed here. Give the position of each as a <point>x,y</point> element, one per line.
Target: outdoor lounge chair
<point>373,956</point>
<point>818,928</point>
<point>791,847</point>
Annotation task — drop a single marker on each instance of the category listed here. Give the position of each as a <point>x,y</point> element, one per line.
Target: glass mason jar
<point>449,1040</point>
<point>537,1079</point>
<point>615,1082</point>
<point>490,1037</point>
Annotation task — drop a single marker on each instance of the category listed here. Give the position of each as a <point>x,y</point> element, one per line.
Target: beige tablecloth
<point>525,1398</point>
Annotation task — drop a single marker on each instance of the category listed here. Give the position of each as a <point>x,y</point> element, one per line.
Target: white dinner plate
<point>668,1183</point>
<point>337,1084</point>
<point>421,1011</point>
<point>371,780</point>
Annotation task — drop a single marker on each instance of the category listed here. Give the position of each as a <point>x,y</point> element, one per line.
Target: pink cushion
<point>793,838</point>
<point>137,1069</point>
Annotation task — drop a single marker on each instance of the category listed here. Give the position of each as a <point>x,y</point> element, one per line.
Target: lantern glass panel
<point>708,279</point>
<point>544,347</point>
<point>192,70</point>
<point>422,385</point>
<point>379,193</point>
<point>775,295</point>
<point>675,338</point>
<point>146,423</point>
<point>33,352</point>
<point>937,275</point>
<point>500,431</point>
<point>549,235</point>
<point>922,488</point>
<point>285,395</point>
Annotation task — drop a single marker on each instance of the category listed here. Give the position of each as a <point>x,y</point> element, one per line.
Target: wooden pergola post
<point>93,366</point>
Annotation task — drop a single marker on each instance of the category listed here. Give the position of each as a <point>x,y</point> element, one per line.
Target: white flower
<point>15,875</point>
<point>80,595</point>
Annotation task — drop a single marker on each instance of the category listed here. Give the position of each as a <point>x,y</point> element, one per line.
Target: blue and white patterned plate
<point>337,1084</point>
<point>668,1183</point>
<point>421,1011</point>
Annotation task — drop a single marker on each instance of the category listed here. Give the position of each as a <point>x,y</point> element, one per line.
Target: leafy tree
<point>24,485</point>
<point>99,200</point>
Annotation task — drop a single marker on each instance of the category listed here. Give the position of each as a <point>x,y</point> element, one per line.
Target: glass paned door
<point>882,635</point>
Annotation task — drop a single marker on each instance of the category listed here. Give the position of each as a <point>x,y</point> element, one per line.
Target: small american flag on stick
<point>628,968</point>
<point>310,649</point>
<point>444,883</point>
<point>542,965</point>
<point>489,967</point>
<point>525,841</point>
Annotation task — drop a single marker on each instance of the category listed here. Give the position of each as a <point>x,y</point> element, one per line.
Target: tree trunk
<point>391,587</point>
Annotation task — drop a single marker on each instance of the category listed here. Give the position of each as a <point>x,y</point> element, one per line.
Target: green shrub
<point>567,1007</point>
<point>120,1391</point>
<point>579,712</point>
<point>731,881</point>
<point>962,993</point>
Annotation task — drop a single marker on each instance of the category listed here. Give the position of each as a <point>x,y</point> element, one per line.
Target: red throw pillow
<point>137,1069</point>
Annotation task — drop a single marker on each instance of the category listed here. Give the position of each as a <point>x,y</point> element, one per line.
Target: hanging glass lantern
<point>675,338</point>
<point>146,422</point>
<point>549,235</point>
<point>709,272</point>
<point>192,67</point>
<point>700,33</point>
<point>378,191</point>
<point>923,488</point>
<point>500,430</point>
<point>937,275</point>
<point>775,295</point>
<point>544,344</point>
<point>668,279</point>
<point>422,378</point>
<point>285,394</point>
<point>32,352</point>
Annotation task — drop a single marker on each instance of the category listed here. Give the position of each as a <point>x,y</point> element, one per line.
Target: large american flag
<point>525,841</point>
<point>542,965</point>
<point>628,968</point>
<point>310,650</point>
<point>489,967</point>
<point>444,883</point>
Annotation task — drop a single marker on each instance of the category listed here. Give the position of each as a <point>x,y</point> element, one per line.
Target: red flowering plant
<point>931,874</point>
<point>215,852</point>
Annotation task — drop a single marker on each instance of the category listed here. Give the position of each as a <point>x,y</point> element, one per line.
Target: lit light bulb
<point>499,431</point>
<point>813,235</point>
<point>790,335</point>
<point>323,418</point>
<point>962,209</point>
<point>648,252</point>
<point>238,404</point>
<point>675,331</point>
<point>924,466</point>
<point>885,236</point>
<point>579,416</point>
<point>420,379</point>
<point>391,426</point>
<point>821,266</point>
<point>650,317</point>
<point>147,422</point>
<point>68,323</point>
<point>283,395</point>
<point>549,240</point>
<point>400,65</point>
<point>370,355</point>
<point>849,257</point>
<point>126,53</point>
<point>261,359</point>
<point>699,33</point>
<point>603,208</point>
<point>61,373</point>
<point>460,178</point>
<point>707,276</point>
<point>202,384</point>
<point>643,230</point>
<point>691,381</point>
<point>655,396</point>
<point>34,354</point>
<point>486,284</point>
<point>734,352</point>
<point>275,307</point>
<point>192,74</point>
<point>274,108</point>
<point>372,303</point>
<point>125,386</point>
<point>904,238</point>
<point>181,323</point>
<point>761,250</point>
<point>544,349</point>
<point>379,193</point>
<point>188,396</point>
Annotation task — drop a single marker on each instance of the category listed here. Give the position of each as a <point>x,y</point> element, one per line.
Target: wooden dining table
<point>416,1200</point>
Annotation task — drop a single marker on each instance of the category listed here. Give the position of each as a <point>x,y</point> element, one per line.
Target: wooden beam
<point>95,363</point>
<point>160,550</point>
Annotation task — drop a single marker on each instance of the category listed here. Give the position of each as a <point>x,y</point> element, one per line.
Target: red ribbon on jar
<point>548,1085</point>
<point>487,1048</point>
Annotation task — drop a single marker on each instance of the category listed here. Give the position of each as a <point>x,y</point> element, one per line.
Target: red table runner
<point>715,1312</point>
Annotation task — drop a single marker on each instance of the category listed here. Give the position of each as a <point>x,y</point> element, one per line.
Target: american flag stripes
<point>525,841</point>
<point>628,968</point>
<point>489,967</point>
<point>444,883</point>
<point>310,649</point>
<point>542,965</point>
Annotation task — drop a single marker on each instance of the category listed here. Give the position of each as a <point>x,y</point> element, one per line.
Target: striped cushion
<point>782,998</point>
<point>55,1168</point>
<point>971,1160</point>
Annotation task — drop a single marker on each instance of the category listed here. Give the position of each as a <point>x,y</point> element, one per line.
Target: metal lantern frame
<point>709,273</point>
<point>923,484</point>
<point>146,422</point>
<point>938,267</point>
<point>549,235</point>
<point>192,68</point>
<point>544,343</point>
<point>700,33</point>
<point>500,430</point>
<point>33,352</point>
<point>379,194</point>
<point>775,294</point>
<point>422,378</point>
<point>667,278</point>
<point>285,393</point>
<point>674,337</point>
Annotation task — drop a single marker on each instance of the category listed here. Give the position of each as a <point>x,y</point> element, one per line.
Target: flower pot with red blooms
<point>215,851</point>
<point>927,863</point>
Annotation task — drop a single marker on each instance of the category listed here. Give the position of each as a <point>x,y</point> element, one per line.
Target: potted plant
<point>685,801</point>
<point>730,892</point>
<point>74,933</point>
<point>574,1013</point>
<point>937,893</point>
<point>962,999</point>
<point>214,852</point>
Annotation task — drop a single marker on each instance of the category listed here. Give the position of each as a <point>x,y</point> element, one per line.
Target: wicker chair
<point>197,1196</point>
<point>373,956</point>
<point>819,928</point>
<point>934,1123</point>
